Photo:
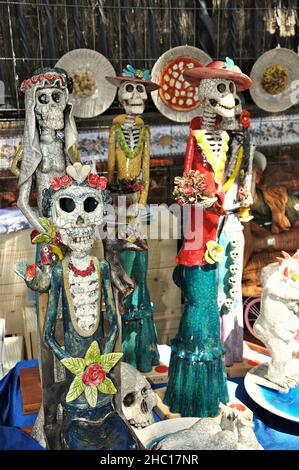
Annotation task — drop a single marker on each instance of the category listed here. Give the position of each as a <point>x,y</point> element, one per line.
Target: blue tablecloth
<point>273,432</point>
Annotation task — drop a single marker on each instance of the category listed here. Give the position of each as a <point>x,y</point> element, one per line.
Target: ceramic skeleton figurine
<point>90,420</point>
<point>278,323</point>
<point>197,379</point>
<point>237,201</point>
<point>128,175</point>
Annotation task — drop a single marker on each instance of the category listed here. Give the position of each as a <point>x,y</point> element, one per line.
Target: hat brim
<point>242,81</point>
<point>117,81</point>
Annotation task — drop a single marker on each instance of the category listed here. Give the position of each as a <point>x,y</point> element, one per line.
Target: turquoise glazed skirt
<point>139,335</point>
<point>197,377</point>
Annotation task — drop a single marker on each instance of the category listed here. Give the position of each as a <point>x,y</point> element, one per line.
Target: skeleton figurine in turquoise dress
<point>89,316</point>
<point>129,155</point>
<point>197,378</point>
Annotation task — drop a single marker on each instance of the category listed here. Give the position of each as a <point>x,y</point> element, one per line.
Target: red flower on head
<point>35,79</point>
<point>55,183</point>
<point>102,182</point>
<point>65,181</point>
<point>136,187</point>
<point>94,375</point>
<point>93,180</point>
<point>49,76</point>
<point>245,118</point>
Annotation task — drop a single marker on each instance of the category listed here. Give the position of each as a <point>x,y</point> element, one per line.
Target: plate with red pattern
<point>177,98</point>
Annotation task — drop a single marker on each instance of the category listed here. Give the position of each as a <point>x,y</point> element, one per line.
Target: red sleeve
<point>189,153</point>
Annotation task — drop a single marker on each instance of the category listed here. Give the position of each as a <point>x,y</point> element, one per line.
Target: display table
<point>273,432</point>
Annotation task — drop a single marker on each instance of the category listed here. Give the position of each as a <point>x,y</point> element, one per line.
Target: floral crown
<point>140,74</point>
<point>77,175</point>
<point>51,75</point>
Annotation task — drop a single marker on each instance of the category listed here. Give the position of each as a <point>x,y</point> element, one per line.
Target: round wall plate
<point>170,66</point>
<point>92,93</point>
<point>288,61</point>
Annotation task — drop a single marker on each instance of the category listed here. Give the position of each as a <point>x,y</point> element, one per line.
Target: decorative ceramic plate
<point>267,395</point>
<point>177,98</point>
<point>275,80</point>
<point>92,93</point>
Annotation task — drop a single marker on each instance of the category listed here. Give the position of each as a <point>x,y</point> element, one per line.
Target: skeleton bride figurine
<point>197,378</point>
<point>90,420</point>
<point>129,178</point>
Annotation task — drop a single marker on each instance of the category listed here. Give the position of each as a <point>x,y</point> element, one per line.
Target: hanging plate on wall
<point>92,94</point>
<point>275,76</point>
<point>177,99</point>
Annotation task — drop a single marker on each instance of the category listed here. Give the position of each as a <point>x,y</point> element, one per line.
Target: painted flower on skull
<point>91,374</point>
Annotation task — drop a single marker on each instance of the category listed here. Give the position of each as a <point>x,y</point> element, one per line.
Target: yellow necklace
<point>217,163</point>
<point>227,185</point>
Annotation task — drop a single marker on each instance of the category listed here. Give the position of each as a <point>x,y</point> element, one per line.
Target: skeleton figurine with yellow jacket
<point>129,179</point>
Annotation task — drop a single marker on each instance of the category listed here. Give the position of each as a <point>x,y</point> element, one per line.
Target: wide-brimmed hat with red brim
<point>129,74</point>
<point>218,69</point>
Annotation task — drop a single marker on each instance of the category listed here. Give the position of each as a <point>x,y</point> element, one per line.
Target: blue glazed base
<point>100,429</point>
<point>287,403</point>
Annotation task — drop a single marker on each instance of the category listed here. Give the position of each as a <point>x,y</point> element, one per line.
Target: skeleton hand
<point>206,202</point>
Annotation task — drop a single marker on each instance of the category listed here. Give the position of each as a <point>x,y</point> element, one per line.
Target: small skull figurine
<point>218,94</point>
<point>49,108</point>
<point>232,281</point>
<point>229,304</point>
<point>76,212</point>
<point>137,396</point>
<point>233,293</point>
<point>132,96</point>
<point>234,255</point>
<point>233,269</point>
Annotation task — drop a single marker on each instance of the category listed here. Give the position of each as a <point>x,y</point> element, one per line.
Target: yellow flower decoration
<point>245,214</point>
<point>214,252</point>
<point>296,277</point>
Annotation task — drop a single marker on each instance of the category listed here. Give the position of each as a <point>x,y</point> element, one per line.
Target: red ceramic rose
<point>245,118</point>
<point>65,181</point>
<point>55,183</point>
<point>94,375</point>
<point>102,182</point>
<point>30,272</point>
<point>93,180</point>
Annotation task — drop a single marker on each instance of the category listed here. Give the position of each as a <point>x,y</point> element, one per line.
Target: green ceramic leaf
<point>75,390</point>
<point>41,238</point>
<point>20,268</point>
<point>75,365</point>
<point>91,395</point>
<point>107,387</point>
<point>108,361</point>
<point>93,354</point>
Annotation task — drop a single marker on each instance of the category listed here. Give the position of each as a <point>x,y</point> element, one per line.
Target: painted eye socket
<point>231,87</point>
<point>56,97</point>
<point>139,88</point>
<point>90,204</point>
<point>129,88</point>
<point>129,399</point>
<point>43,99</point>
<point>237,101</point>
<point>67,204</point>
<point>221,87</point>
<point>46,249</point>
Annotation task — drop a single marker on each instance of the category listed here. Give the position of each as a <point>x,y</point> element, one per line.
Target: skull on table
<point>137,397</point>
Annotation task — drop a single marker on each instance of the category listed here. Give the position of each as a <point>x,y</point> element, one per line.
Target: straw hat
<point>274,75</point>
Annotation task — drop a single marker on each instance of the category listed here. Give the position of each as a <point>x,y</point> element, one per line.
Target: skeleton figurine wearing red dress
<point>197,378</point>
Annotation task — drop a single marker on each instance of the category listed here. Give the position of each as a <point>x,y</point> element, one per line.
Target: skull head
<point>233,293</point>
<point>50,104</point>
<point>218,95</point>
<point>232,281</point>
<point>234,270</point>
<point>76,212</point>
<point>138,399</point>
<point>234,255</point>
<point>229,304</point>
<point>132,96</point>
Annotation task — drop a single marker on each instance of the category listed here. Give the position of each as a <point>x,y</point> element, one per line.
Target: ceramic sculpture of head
<point>218,84</point>
<point>77,200</point>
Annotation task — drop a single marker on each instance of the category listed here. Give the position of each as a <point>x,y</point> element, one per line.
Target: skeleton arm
<point>111,154</point>
<point>146,169</point>
<point>24,206</point>
<point>52,311</point>
<point>110,307</point>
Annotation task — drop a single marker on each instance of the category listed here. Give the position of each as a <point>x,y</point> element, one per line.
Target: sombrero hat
<point>129,74</point>
<point>218,69</point>
<point>175,94</point>
<point>273,75</point>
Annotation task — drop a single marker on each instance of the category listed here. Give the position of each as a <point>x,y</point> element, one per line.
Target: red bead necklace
<point>84,272</point>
